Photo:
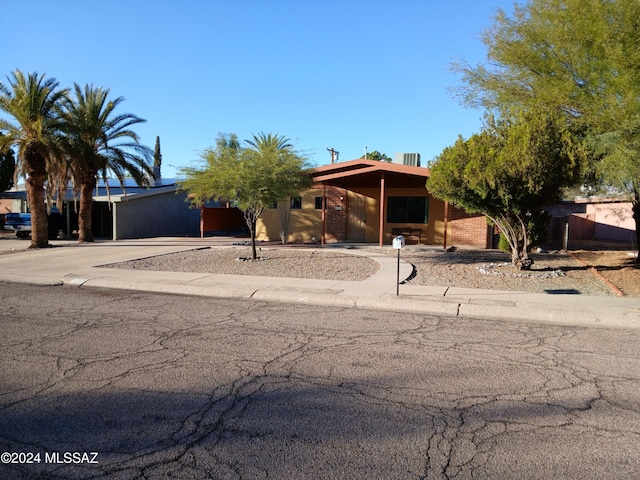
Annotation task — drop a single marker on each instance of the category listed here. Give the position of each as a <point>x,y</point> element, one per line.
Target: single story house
<point>370,201</point>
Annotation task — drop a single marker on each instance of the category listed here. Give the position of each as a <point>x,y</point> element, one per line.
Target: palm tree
<point>280,173</point>
<point>100,142</point>
<point>33,102</point>
<point>262,142</point>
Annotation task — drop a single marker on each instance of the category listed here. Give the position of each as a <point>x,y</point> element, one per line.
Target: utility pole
<point>334,154</point>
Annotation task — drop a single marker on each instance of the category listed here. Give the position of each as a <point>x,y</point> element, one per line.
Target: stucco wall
<point>613,221</point>
<point>165,214</point>
<point>305,224</point>
<point>610,220</point>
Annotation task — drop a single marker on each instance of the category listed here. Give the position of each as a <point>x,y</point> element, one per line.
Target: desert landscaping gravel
<point>291,262</point>
<point>556,272</point>
<point>491,269</point>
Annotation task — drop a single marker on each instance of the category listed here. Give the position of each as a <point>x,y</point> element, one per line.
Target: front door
<point>357,219</point>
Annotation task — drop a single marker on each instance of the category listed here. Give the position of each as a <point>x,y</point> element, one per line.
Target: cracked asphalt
<point>169,386</point>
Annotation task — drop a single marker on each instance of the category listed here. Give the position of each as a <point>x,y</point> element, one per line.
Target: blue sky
<point>346,74</point>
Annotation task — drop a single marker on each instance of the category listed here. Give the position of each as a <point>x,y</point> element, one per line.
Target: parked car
<point>18,222</point>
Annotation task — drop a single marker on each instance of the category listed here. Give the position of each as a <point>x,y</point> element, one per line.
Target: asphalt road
<point>123,385</point>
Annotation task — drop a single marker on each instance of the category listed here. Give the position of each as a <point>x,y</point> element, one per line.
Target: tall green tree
<point>256,176</point>
<point>376,155</point>
<point>579,57</point>
<point>157,156</point>
<point>510,172</point>
<point>32,103</point>
<point>100,143</point>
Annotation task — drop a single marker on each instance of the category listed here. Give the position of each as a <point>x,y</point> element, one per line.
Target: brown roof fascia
<point>361,166</point>
<point>343,174</point>
<point>347,165</point>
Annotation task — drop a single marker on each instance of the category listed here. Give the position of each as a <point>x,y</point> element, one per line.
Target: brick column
<point>336,219</point>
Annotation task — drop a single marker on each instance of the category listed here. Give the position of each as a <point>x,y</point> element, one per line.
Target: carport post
<point>68,219</point>
<point>114,216</point>
<point>381,232</point>
<point>446,217</point>
<point>202,221</point>
<point>324,214</point>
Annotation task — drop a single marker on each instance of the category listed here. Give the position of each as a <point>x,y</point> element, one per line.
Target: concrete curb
<point>459,307</point>
<point>43,281</point>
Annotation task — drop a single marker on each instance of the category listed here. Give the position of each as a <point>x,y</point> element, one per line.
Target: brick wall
<point>336,220</point>
<point>467,229</point>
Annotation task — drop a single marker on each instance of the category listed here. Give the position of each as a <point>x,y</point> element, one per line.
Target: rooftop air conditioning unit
<point>412,159</point>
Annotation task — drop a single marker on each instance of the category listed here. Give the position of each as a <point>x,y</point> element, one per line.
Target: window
<point>408,210</point>
<point>318,203</point>
<point>296,203</point>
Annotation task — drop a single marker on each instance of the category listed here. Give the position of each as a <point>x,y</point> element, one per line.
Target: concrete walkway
<point>69,263</point>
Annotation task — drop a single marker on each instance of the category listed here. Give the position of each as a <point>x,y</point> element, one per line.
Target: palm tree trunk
<point>86,206</point>
<point>36,174</point>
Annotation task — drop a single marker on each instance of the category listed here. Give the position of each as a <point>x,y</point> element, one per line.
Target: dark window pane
<point>407,210</point>
<point>417,210</point>
<point>296,203</point>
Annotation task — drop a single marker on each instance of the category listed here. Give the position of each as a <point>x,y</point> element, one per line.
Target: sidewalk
<point>69,263</point>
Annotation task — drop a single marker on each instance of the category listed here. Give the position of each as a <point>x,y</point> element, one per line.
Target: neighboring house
<point>592,218</point>
<point>13,201</point>
<point>10,202</point>
<point>137,212</point>
<point>129,212</point>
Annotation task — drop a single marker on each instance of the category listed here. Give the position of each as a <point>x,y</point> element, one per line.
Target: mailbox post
<point>398,243</point>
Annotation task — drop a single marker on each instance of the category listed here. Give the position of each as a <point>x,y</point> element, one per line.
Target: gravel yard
<point>552,272</point>
<point>491,269</point>
<point>274,262</point>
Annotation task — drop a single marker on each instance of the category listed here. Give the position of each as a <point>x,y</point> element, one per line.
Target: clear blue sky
<point>325,73</point>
